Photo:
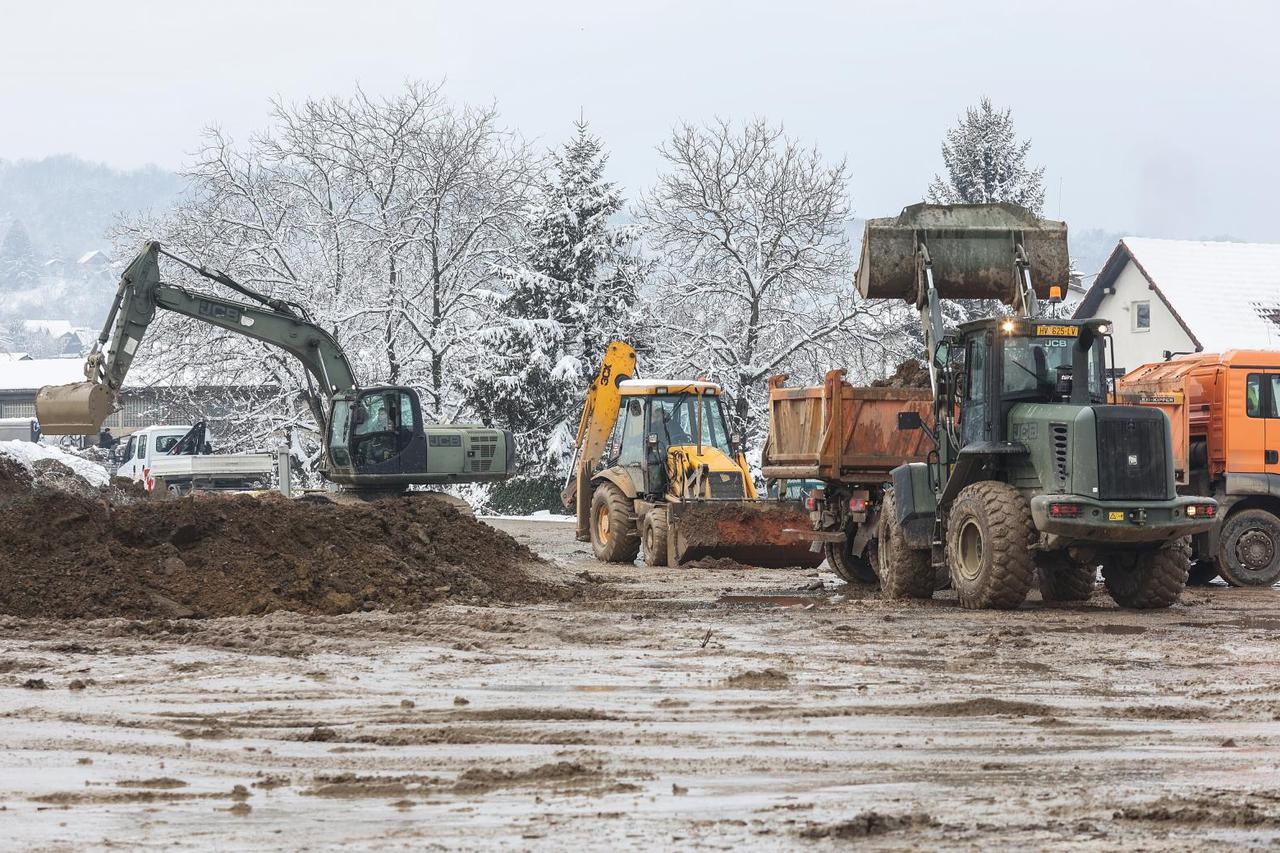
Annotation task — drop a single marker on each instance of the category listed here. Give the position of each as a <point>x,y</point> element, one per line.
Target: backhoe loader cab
<point>657,469</point>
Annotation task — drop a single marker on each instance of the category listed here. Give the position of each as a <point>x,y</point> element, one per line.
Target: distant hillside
<point>67,204</point>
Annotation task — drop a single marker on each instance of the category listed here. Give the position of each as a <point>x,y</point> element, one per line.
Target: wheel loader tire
<point>654,537</point>
<point>1202,573</point>
<point>1064,579</point>
<point>904,572</point>
<point>858,570</point>
<point>614,538</point>
<point>1249,549</point>
<point>989,538</point>
<point>1147,580</point>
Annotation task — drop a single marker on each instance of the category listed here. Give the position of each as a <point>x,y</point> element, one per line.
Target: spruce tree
<point>986,162</point>
<point>19,269</point>
<point>571,289</point>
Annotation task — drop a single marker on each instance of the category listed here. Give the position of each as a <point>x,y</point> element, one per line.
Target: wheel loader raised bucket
<point>76,409</point>
<point>754,533</point>
<point>972,248</point>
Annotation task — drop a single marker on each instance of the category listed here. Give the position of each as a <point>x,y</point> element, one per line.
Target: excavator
<point>375,437</point>
<point>656,470</point>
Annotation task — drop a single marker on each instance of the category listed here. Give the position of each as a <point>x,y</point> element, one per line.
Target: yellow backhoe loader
<point>655,470</point>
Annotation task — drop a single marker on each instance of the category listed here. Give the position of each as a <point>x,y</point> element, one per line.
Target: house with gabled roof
<point>1179,296</point>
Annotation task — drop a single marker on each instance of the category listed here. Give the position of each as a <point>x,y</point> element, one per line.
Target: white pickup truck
<point>178,459</point>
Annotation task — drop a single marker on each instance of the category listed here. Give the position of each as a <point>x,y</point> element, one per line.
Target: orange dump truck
<point>1225,413</point>
<point>847,438</point>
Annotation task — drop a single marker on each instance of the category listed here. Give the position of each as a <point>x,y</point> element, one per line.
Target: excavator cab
<point>377,437</point>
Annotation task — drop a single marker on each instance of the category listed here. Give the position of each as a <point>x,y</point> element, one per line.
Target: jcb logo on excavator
<point>205,308</point>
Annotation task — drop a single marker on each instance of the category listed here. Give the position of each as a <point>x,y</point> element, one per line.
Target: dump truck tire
<point>614,538</point>
<point>904,572</point>
<point>654,537</point>
<point>857,570</point>
<point>1202,573</point>
<point>1064,579</point>
<point>1249,549</point>
<point>989,538</point>
<point>1147,580</point>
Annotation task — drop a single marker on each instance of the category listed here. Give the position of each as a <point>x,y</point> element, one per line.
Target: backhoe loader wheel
<point>852,569</point>
<point>1249,549</point>
<point>989,537</point>
<point>1064,579</point>
<point>614,538</point>
<point>1147,580</point>
<point>904,572</point>
<point>655,537</point>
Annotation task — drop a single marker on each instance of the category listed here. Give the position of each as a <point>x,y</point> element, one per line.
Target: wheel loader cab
<point>997,364</point>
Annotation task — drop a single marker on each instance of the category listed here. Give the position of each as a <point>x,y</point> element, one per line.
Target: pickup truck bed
<point>220,470</point>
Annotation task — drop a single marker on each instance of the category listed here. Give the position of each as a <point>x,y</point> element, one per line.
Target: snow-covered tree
<point>571,288</point>
<point>19,268</point>
<point>383,217</point>
<point>755,267</point>
<point>987,162</point>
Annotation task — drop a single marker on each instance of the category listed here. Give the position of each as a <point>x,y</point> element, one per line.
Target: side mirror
<point>909,420</point>
<point>942,354</point>
<point>361,416</point>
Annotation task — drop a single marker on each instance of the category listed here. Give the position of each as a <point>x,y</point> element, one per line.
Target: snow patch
<point>27,454</point>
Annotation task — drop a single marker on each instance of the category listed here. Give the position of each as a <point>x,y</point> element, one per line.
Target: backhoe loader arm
<point>141,292</point>
<point>599,412</point>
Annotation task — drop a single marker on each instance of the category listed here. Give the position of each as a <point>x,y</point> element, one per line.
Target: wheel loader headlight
<point>1007,327</point>
<point>1104,329</point>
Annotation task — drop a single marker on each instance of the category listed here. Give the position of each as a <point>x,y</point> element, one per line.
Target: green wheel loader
<point>1035,472</point>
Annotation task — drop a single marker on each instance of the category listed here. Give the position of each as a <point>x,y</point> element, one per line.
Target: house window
<point>1141,313</point>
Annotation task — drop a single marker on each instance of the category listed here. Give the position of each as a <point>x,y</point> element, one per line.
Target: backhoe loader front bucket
<point>754,533</point>
<point>76,409</point>
<point>973,249</point>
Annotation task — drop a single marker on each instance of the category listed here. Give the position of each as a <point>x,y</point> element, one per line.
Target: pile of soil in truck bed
<point>66,555</point>
<point>908,374</point>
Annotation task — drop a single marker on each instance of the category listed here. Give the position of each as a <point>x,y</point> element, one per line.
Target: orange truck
<point>1225,414</point>
<point>848,438</point>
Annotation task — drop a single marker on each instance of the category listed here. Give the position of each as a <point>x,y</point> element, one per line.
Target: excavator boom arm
<point>70,409</point>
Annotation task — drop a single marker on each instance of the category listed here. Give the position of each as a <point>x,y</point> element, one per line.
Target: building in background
<point>1181,296</point>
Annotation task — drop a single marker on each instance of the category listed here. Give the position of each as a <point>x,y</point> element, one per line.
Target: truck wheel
<point>989,536</point>
<point>1202,573</point>
<point>904,572</point>
<point>614,538</point>
<point>655,537</point>
<point>1249,550</point>
<point>855,570</point>
<point>1147,580</point>
<point>1064,579</point>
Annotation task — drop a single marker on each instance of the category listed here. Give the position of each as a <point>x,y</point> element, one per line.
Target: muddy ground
<point>705,708</point>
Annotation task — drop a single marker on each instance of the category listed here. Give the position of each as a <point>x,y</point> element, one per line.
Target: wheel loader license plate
<point>1115,516</point>
<point>1057,331</point>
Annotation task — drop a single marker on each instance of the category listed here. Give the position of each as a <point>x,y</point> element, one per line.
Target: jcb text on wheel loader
<point>1034,472</point>
<point>375,437</point>
<point>655,470</point>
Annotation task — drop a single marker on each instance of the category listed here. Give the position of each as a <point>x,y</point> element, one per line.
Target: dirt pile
<point>908,374</point>
<point>68,555</point>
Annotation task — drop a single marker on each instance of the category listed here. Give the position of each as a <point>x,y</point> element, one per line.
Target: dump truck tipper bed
<point>848,438</point>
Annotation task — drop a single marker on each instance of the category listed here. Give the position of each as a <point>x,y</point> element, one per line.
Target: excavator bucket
<point>754,533</point>
<point>76,409</point>
<point>973,249</point>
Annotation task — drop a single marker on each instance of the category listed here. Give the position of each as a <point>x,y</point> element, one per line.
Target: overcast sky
<point>1152,117</point>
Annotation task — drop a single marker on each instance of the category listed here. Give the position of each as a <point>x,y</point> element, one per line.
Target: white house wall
<point>1135,348</point>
